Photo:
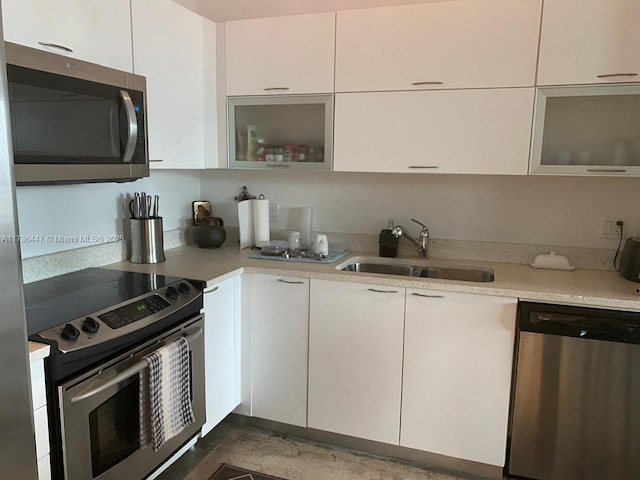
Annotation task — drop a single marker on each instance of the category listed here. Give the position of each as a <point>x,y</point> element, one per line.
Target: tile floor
<point>291,458</point>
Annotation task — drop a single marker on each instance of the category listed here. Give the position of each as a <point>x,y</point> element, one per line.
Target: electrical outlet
<point>609,230</point>
<point>274,212</point>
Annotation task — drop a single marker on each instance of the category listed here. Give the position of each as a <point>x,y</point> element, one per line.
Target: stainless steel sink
<point>463,274</point>
<point>444,273</point>
<point>405,270</point>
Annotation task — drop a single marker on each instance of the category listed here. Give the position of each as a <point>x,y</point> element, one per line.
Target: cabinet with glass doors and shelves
<point>281,132</point>
<point>587,130</point>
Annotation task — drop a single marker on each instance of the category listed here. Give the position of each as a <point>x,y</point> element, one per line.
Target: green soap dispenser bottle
<point>388,243</point>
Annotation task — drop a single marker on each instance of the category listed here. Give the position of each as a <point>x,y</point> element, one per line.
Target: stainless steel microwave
<point>73,121</point>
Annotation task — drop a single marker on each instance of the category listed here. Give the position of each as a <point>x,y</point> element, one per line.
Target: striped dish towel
<point>165,406</point>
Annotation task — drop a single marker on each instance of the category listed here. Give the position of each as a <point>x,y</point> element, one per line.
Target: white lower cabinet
<point>222,351</point>
<point>422,369</point>
<point>458,355</point>
<point>355,359</point>
<point>40,419</point>
<point>41,425</point>
<point>279,348</point>
<point>44,468</point>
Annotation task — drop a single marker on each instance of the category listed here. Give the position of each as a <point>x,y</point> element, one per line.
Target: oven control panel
<point>108,324</point>
<point>135,311</point>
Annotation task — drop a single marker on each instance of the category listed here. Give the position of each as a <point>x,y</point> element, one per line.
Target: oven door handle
<point>132,126</point>
<point>129,372</point>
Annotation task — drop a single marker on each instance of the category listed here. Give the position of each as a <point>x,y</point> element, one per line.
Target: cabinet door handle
<point>427,83</point>
<point>426,296</point>
<point>277,165</point>
<point>271,89</point>
<point>210,289</point>
<point>424,166</point>
<point>606,170</point>
<point>55,45</point>
<point>153,161</point>
<point>290,282</point>
<point>382,291</point>
<point>609,75</point>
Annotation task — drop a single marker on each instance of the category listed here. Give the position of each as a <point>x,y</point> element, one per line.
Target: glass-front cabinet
<point>281,132</point>
<point>591,130</point>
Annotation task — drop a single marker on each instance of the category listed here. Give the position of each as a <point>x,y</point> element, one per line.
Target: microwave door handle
<point>132,126</point>
<point>129,372</point>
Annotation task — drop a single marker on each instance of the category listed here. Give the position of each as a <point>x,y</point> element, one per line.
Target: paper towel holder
<point>253,222</point>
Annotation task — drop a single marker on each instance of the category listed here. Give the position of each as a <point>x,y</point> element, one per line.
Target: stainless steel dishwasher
<point>576,395</point>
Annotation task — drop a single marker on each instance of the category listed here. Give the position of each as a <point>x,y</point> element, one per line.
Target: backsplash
<point>59,263</point>
<point>486,218</point>
<point>580,257</point>
<point>64,215</point>
<point>46,266</point>
<point>522,210</point>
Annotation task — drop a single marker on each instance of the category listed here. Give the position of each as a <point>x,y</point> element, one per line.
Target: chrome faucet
<point>421,243</point>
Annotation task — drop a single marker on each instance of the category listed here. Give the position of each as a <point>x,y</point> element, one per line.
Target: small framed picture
<point>201,210</point>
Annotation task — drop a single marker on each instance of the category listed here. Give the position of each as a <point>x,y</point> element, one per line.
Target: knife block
<point>146,243</point>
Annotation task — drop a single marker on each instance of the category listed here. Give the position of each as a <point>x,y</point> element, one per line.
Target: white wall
<point>99,209</point>
<point>563,211</point>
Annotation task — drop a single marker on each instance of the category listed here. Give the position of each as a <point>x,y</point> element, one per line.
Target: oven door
<point>100,414</point>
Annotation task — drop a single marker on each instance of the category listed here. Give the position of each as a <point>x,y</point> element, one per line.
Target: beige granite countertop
<point>597,288</point>
<point>38,351</point>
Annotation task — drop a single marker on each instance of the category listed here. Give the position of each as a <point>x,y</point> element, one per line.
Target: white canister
<point>320,245</point>
<point>294,240</point>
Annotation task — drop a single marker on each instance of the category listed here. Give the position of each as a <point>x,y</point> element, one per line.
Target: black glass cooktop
<point>57,300</point>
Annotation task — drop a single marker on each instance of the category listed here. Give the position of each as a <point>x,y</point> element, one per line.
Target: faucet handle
<point>419,223</point>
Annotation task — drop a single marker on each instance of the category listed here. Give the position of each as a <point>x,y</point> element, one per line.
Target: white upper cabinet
<point>483,131</point>
<point>455,44</point>
<point>96,31</point>
<point>589,41</point>
<point>587,130</point>
<point>280,55</point>
<point>214,95</point>
<point>173,65</point>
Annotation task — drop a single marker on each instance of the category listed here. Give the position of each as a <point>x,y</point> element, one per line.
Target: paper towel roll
<point>245,223</point>
<point>306,225</point>
<point>261,222</point>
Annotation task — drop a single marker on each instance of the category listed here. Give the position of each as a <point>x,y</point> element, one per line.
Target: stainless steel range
<point>100,323</point>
